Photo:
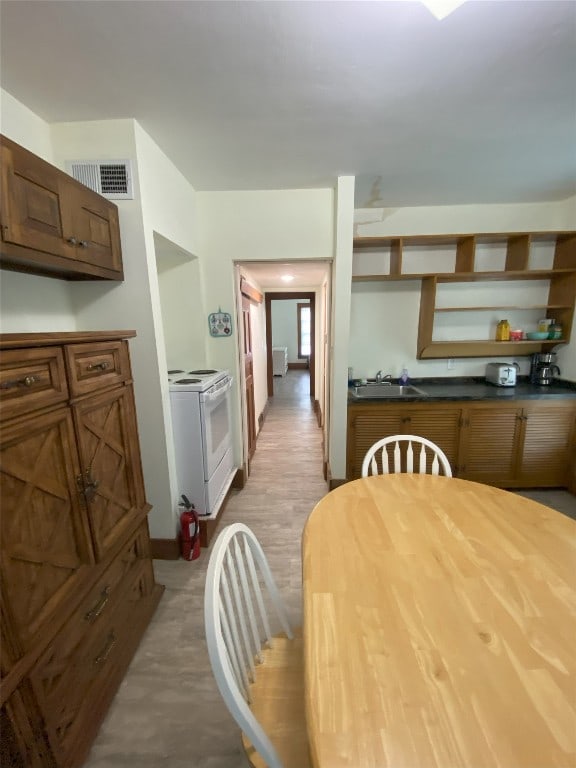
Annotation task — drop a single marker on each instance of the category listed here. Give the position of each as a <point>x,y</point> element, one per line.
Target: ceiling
<point>305,274</point>
<point>477,108</point>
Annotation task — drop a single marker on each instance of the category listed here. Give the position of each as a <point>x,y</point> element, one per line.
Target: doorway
<point>303,296</point>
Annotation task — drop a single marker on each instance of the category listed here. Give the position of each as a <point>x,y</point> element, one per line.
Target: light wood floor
<point>168,711</point>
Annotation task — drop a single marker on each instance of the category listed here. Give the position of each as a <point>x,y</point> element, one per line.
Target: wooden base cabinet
<point>368,423</point>
<point>78,587</point>
<point>524,444</point>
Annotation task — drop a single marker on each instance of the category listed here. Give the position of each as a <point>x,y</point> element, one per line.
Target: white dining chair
<point>259,675</point>
<point>377,458</point>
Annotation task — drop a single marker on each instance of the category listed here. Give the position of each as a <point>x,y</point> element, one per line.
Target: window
<point>303,330</point>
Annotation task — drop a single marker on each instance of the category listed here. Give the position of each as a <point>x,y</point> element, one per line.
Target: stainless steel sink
<point>373,389</point>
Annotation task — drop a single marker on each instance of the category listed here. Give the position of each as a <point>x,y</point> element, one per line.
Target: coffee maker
<point>543,368</point>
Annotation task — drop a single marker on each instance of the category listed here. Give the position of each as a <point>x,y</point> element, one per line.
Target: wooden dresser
<point>78,586</point>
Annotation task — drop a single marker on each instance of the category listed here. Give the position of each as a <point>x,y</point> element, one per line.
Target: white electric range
<point>201,423</point>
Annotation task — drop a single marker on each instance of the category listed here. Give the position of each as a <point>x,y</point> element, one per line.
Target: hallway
<point>168,710</point>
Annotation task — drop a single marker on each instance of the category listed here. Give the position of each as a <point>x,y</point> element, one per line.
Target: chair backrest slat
<point>232,617</point>
<point>409,458</point>
<point>239,582</point>
<point>249,597</point>
<point>234,555</point>
<point>380,449</point>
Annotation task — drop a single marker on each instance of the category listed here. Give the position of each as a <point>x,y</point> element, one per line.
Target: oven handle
<point>217,393</point>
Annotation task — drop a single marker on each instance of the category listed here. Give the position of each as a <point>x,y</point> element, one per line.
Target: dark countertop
<point>476,388</point>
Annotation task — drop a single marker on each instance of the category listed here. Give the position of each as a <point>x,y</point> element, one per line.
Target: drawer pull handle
<point>83,244</point>
<point>72,240</point>
<point>103,366</point>
<point>27,381</point>
<point>94,612</point>
<point>110,643</point>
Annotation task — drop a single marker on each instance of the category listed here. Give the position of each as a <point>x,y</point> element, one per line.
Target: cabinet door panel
<point>366,426</point>
<point>32,203</point>
<point>110,458</point>
<point>547,442</point>
<point>24,743</point>
<point>490,451</point>
<point>442,426</point>
<point>46,548</point>
<point>96,228</point>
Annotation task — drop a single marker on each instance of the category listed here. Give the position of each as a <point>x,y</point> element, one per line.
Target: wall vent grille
<point>110,178</point>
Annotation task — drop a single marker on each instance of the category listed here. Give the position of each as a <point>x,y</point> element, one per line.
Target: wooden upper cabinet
<point>53,225</point>
<point>32,203</point>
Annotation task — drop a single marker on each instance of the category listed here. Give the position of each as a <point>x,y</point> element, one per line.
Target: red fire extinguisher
<point>189,530</point>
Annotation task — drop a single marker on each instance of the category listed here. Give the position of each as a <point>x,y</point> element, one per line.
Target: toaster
<point>502,374</point>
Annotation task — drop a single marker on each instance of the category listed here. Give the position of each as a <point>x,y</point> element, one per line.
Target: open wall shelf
<point>548,257</point>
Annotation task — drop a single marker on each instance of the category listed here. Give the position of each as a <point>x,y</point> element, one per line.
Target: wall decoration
<point>220,323</point>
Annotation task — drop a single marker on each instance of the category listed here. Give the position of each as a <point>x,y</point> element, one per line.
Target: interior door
<point>249,377</point>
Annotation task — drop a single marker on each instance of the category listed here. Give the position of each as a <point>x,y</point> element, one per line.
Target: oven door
<point>216,424</point>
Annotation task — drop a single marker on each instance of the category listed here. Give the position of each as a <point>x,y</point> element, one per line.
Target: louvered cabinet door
<point>111,466</point>
<point>548,444</point>
<point>490,440</point>
<point>366,425</point>
<point>441,425</point>
<point>46,547</point>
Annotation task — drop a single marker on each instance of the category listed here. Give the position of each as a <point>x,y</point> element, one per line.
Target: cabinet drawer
<point>98,365</point>
<point>74,679</point>
<point>31,379</point>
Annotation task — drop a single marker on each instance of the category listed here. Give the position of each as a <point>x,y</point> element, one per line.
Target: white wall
<point>29,303</point>
<point>284,318</point>
<point>256,226</point>
<point>23,126</point>
<point>384,316</point>
<point>340,323</point>
<point>183,316</point>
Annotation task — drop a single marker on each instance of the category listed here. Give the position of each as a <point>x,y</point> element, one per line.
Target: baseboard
<point>333,482</point>
<point>165,549</point>
<point>318,412</point>
<point>263,415</point>
<point>240,477</point>
<point>169,549</point>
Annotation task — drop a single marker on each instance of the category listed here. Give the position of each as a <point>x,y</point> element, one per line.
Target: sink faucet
<point>379,378</point>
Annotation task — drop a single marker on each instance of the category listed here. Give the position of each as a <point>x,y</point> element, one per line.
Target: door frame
<point>271,296</point>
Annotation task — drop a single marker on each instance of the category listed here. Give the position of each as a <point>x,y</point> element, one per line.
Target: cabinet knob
<point>26,381</point>
<point>72,240</point>
<point>83,244</point>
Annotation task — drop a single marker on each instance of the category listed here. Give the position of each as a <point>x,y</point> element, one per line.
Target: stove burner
<point>188,381</point>
<point>202,373</point>
<point>175,370</point>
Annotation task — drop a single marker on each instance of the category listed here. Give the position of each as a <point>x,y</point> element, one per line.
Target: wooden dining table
<point>439,627</point>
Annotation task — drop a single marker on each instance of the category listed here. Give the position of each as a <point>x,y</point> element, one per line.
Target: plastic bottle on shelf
<point>503,331</point>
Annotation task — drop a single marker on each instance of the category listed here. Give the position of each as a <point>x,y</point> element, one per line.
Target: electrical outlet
<point>450,364</point>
